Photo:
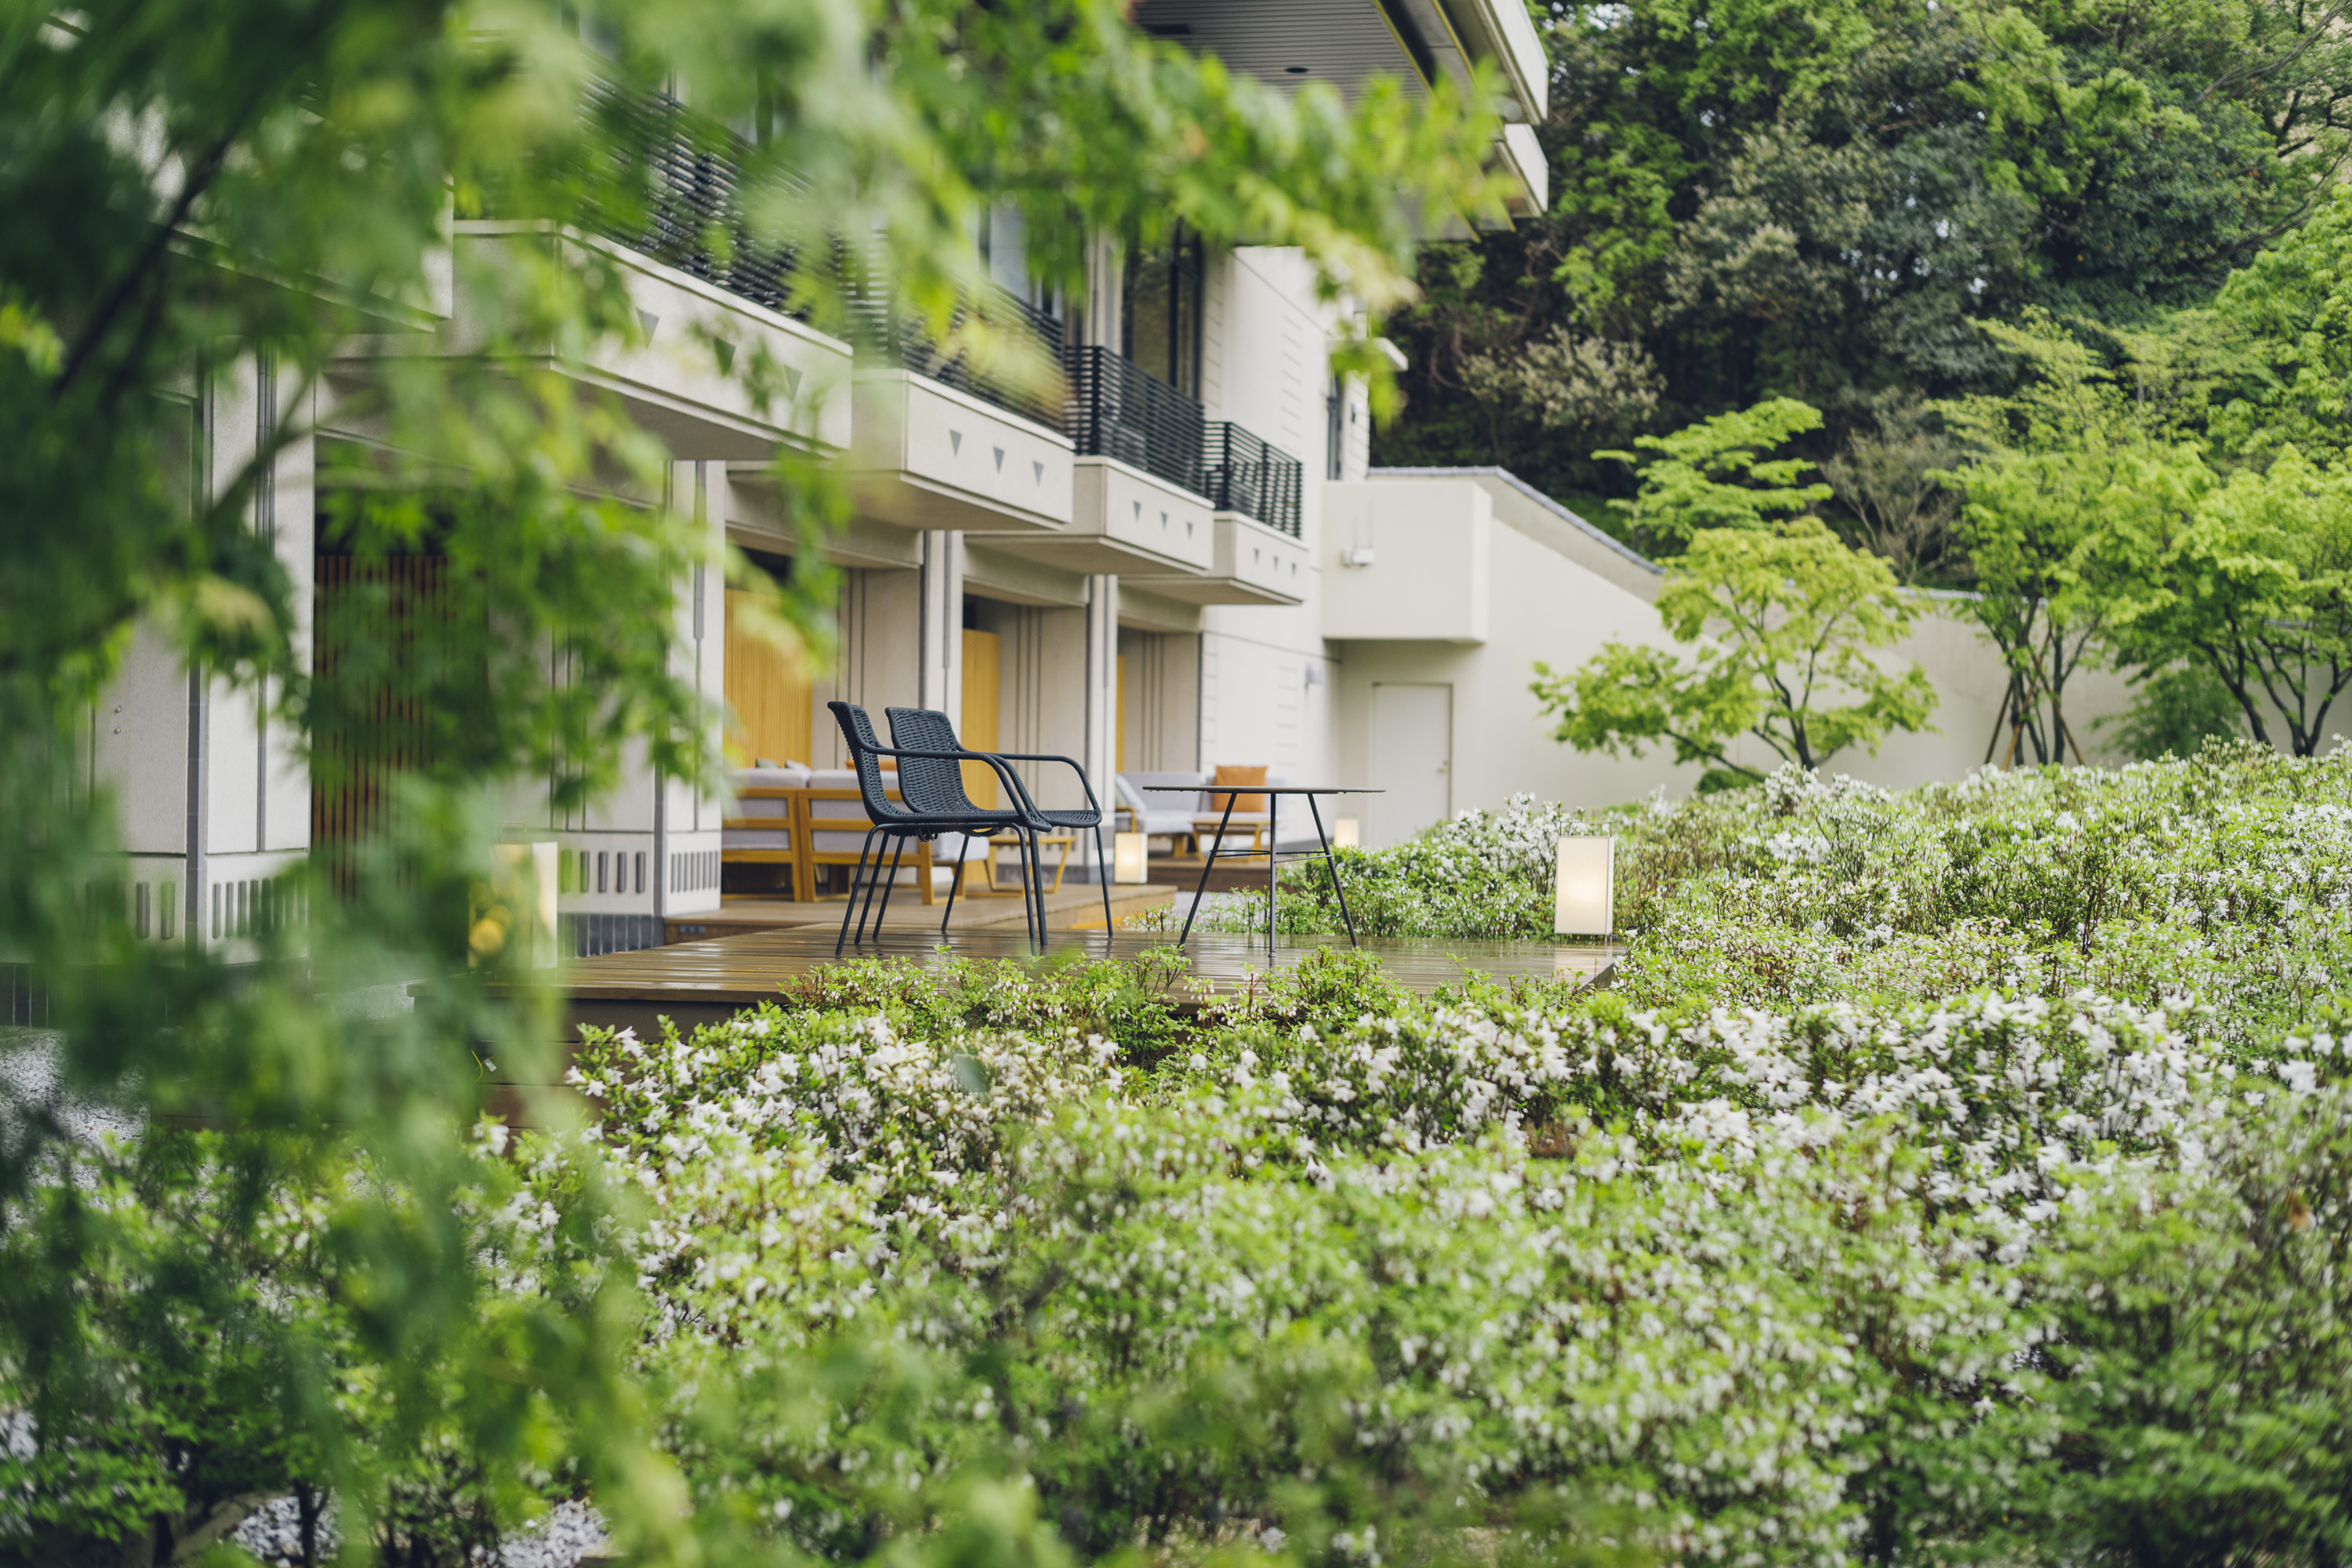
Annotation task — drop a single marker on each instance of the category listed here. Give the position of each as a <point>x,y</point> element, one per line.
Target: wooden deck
<point>694,983</point>
<point>1076,907</point>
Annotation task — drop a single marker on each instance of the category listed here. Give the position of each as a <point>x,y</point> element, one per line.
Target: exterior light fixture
<point>513,917</point>
<point>1584,892</point>
<point>1130,858</point>
<point>1344,833</point>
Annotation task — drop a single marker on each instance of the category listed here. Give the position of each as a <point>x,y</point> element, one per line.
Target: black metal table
<point>1275,855</point>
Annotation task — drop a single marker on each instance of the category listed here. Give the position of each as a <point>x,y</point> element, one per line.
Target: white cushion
<point>833,778</point>
<point>755,839</point>
<point>791,776</point>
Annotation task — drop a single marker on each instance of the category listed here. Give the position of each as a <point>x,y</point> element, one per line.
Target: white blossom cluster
<point>1543,1243</point>
<point>1707,1247</point>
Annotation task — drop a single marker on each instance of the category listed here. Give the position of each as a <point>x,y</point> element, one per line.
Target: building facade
<point>1187,562</point>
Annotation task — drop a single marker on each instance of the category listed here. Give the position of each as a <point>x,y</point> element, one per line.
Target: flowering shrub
<point>1346,1271</point>
<point>1954,1174</point>
<point>2227,877</point>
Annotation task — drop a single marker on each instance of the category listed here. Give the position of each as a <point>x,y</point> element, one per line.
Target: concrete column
<point>1101,700</point>
<point>677,826</point>
<point>939,680</point>
<point>884,635</point>
<point>214,798</point>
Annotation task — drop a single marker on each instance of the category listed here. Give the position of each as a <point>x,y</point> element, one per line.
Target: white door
<point>1413,759</point>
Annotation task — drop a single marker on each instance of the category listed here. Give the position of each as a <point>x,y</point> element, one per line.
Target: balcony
<point>887,334</point>
<point>695,185</point>
<point>1121,410</point>
<point>1244,475</point>
<point>707,299</point>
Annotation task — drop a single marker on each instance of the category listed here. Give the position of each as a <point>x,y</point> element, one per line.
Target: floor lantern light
<point>1130,858</point>
<point>1344,833</point>
<point>1584,890</point>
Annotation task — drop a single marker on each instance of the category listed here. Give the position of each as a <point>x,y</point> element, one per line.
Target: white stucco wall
<point>1554,593</point>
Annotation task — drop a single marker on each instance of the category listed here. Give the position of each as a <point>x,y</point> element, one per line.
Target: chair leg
<point>849,908</point>
<point>1102,871</point>
<point>1032,900</point>
<point>1041,887</point>
<point>896,854</point>
<point>871,879</point>
<point>955,886</point>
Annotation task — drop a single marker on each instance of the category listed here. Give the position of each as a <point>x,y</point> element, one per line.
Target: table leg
<point>1333,867</point>
<point>1271,862</point>
<point>1206,865</point>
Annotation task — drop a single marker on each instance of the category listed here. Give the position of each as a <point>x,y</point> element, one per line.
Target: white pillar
<point>1101,755</point>
<point>939,680</point>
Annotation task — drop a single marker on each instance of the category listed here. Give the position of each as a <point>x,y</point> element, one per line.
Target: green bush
<point>1951,1176</point>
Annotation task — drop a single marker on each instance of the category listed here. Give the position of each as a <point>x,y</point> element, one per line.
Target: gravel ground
<point>563,1537</point>
<point>29,1090</point>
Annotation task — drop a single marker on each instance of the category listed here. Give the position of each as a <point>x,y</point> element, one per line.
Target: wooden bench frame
<point>807,815</point>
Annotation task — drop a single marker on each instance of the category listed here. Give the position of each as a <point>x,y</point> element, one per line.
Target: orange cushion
<point>1231,773</point>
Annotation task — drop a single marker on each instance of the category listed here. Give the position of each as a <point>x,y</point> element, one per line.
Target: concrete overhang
<point>1123,520</point>
<point>927,455</point>
<point>1253,564</point>
<point>1146,611</point>
<point>1345,43</point>
<point>756,520</point>
<point>1018,580</point>
<point>678,381</point>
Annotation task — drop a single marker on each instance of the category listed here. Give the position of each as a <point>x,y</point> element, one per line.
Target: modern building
<point>1189,563</point>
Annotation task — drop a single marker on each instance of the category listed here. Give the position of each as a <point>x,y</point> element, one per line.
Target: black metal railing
<point>1117,409</point>
<point>1022,376</point>
<point>1242,474</point>
<point>693,214</point>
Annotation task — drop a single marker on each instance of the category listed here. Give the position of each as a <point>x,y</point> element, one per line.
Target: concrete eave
<point>924,455</point>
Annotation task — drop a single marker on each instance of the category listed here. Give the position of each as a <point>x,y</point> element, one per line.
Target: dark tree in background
<point>1754,199</point>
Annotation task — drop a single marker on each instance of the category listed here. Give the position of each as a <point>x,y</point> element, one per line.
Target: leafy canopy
<point>253,199</point>
<point>1714,474</point>
<point>1754,201</point>
<point>1781,622</point>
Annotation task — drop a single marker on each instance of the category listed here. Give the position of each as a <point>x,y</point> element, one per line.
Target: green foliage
<point>199,190</point>
<point>2294,304</point>
<point>1714,474</point>
<point>2057,470</point>
<point>1750,203</point>
<point>1918,1227</point>
<point>2196,1321</point>
<point>2212,878</point>
<point>2253,580</point>
<point>2172,714</point>
<point>1782,620</point>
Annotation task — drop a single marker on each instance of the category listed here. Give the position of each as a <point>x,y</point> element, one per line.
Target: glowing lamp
<point>1130,858</point>
<point>513,917</point>
<point>1344,833</point>
<point>1584,890</point>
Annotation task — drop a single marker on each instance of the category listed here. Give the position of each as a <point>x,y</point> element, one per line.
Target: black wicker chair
<point>899,820</point>
<point>935,787</point>
<point>933,731</point>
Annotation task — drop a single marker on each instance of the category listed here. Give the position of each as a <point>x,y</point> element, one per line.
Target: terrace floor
<point>701,981</point>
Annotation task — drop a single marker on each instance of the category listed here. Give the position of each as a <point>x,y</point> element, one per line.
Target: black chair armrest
<point>1070,762</point>
<point>995,761</point>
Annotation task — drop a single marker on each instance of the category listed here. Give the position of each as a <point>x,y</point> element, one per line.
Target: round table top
<point>1262,789</point>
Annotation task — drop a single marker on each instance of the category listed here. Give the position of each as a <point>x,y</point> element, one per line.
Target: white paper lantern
<point>1584,895</point>
<point>1130,858</point>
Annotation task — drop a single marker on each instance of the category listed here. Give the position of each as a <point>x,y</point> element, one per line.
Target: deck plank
<point>744,969</point>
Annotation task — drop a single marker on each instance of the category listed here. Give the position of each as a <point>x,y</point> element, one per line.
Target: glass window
<point>1162,325</point>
